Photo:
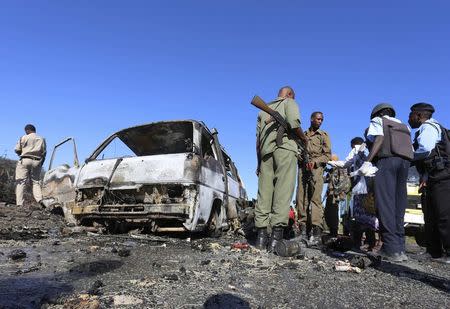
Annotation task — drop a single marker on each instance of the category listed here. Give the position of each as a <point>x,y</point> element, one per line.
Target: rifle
<point>283,127</point>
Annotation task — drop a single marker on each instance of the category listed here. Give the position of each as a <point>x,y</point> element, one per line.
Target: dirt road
<point>45,264</point>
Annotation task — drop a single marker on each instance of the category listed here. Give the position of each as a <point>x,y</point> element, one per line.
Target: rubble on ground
<point>88,269</point>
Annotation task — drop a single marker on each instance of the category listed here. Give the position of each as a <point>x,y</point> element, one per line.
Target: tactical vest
<point>397,141</point>
<point>437,164</point>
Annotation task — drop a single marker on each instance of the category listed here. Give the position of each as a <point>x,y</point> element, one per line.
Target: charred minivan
<point>164,176</point>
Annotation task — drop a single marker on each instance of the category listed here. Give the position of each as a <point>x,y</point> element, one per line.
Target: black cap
<point>380,107</point>
<point>422,107</point>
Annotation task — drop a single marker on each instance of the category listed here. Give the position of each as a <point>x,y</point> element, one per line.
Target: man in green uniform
<point>309,192</point>
<point>276,168</point>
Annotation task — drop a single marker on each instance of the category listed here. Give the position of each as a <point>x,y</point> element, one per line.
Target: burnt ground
<point>64,267</point>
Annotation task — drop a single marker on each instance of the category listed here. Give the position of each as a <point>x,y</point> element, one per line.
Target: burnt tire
<point>214,229</point>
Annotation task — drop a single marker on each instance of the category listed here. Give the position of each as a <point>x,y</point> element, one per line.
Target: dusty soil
<point>66,267</point>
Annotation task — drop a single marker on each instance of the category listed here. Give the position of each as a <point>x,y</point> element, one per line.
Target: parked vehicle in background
<point>414,219</point>
<point>163,176</point>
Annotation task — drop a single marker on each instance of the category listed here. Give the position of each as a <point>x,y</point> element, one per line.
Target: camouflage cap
<point>422,107</point>
<point>380,107</point>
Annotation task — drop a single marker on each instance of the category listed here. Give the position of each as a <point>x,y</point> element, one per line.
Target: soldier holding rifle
<point>278,131</point>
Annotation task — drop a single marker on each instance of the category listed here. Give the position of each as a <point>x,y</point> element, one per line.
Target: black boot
<point>277,235</point>
<point>316,237</point>
<point>261,239</point>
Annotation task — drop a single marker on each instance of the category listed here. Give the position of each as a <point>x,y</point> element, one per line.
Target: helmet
<point>380,107</point>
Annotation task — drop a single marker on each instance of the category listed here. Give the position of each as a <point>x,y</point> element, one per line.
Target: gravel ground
<point>45,264</point>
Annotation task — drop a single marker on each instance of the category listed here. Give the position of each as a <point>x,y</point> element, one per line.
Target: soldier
<point>391,151</point>
<point>276,169</point>
<point>432,162</point>
<point>32,150</point>
<point>309,193</point>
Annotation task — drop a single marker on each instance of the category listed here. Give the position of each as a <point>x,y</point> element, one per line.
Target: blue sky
<point>89,68</point>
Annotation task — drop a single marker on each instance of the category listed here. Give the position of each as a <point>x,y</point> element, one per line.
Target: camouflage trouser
<point>310,193</point>
<point>276,186</point>
<point>26,169</point>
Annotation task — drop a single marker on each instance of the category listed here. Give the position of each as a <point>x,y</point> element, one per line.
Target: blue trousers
<point>391,201</point>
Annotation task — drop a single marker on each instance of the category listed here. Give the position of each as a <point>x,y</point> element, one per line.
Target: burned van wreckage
<point>164,176</point>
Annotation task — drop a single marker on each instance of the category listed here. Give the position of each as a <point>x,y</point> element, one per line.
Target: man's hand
<point>367,169</point>
<point>422,186</point>
<point>310,166</point>
<point>336,163</point>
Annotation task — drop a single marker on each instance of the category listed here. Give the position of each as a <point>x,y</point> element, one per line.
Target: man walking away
<point>391,151</point>
<point>32,150</point>
<point>431,157</point>
<point>276,168</point>
<point>309,192</point>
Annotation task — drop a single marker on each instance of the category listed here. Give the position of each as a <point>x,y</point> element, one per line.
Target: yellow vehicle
<point>414,219</point>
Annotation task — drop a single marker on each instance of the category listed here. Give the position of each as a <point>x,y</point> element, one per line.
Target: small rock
<point>95,288</point>
<point>170,277</point>
<point>156,265</point>
<point>290,265</point>
<point>84,301</point>
<point>17,254</point>
<point>205,262</point>
<point>114,250</point>
<point>92,249</point>
<point>182,269</point>
<point>126,300</point>
<point>123,252</point>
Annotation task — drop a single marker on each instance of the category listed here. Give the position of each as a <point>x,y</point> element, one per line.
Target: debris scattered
<point>83,301</point>
<point>345,266</point>
<point>17,254</point>
<point>240,245</point>
<point>126,300</point>
<point>95,288</point>
<point>170,277</point>
<point>123,252</point>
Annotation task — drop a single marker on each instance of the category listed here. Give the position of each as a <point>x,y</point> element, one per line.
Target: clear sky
<point>89,68</point>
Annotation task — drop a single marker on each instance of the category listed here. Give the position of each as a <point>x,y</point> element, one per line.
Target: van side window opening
<point>229,166</point>
<point>207,149</point>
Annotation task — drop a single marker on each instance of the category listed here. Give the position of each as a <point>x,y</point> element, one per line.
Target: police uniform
<point>309,192</point>
<point>32,150</point>
<point>390,187</point>
<point>435,199</point>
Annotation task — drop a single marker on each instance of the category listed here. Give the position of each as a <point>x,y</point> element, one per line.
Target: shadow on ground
<point>225,300</point>
<point>31,291</point>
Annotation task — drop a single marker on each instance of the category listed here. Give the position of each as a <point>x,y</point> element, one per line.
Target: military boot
<point>316,235</point>
<point>261,239</point>
<point>277,235</point>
